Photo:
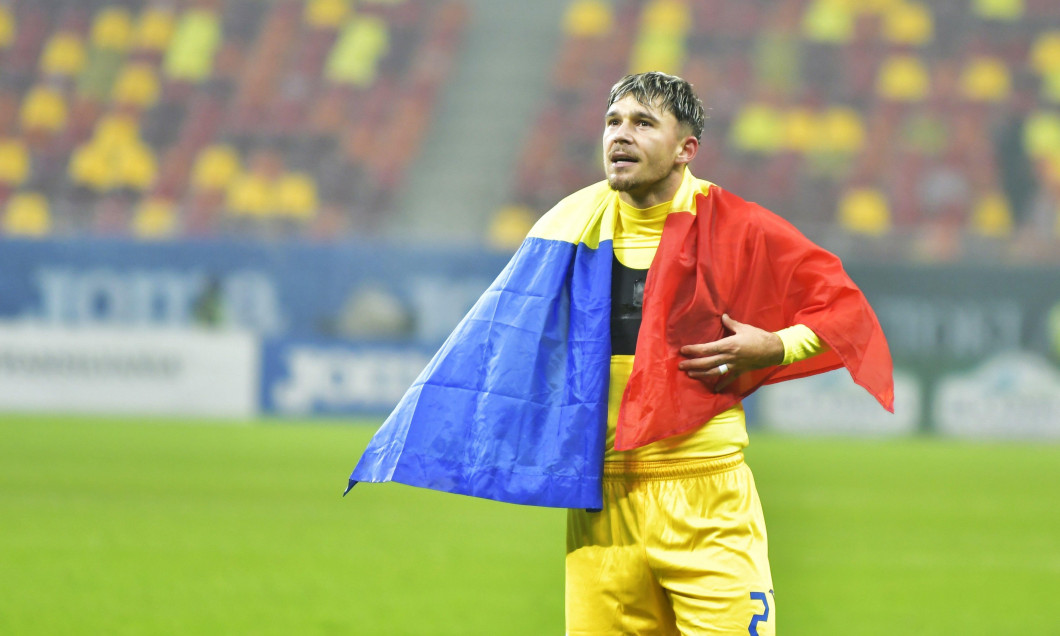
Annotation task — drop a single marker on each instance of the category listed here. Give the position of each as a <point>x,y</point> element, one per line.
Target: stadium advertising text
<point>138,371</point>
<point>161,297</point>
<point>335,379</point>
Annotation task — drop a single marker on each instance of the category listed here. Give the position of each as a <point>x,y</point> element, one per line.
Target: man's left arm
<point>748,348</point>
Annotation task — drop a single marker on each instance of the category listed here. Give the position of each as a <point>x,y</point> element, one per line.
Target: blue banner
<point>329,377</point>
<point>352,291</point>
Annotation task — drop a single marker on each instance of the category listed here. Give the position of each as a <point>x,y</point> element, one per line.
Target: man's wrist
<point>779,350</point>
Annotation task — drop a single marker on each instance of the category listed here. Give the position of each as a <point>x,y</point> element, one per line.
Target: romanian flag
<point>513,407</point>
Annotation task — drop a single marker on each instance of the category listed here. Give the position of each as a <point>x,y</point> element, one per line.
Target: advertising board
<point>141,371</point>
<point>345,328</point>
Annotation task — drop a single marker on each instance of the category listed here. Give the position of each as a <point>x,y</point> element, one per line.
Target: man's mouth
<point>620,159</point>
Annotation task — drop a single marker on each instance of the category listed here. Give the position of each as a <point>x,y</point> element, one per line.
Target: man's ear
<point>687,152</point>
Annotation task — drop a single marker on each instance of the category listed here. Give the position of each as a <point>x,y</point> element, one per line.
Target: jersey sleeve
<point>800,343</point>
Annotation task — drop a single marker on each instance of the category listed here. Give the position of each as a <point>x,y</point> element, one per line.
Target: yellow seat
<point>89,167</point>
<point>154,29</point>
<point>155,218</point>
<point>842,131</point>
<point>27,215</point>
<point>986,79</point>
<point>588,18</point>
<point>660,44</point>
<point>355,56</point>
<point>655,51</point>
<point>758,128</point>
<point>296,196</point>
<point>14,162</point>
<point>113,130</point>
<point>326,14</point>
<point>908,23</point>
<point>112,29</point>
<point>828,21</point>
<point>903,78</point>
<point>63,55</point>
<point>1045,53</point>
<point>1041,134</point>
<point>865,211</point>
<point>802,130</point>
<point>1010,10</point>
<point>135,165</point>
<point>136,85</point>
<point>215,167</point>
<point>115,157</point>
<point>992,216</point>
<point>7,27</point>
<point>43,108</point>
<point>666,16</point>
<point>249,195</point>
<point>192,48</point>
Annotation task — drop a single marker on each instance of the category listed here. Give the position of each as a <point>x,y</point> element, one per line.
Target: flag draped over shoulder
<point>728,255</point>
<point>513,407</point>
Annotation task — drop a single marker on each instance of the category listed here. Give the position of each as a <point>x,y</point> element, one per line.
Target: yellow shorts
<point>679,548</point>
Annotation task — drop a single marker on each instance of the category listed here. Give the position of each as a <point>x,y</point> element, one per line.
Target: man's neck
<point>658,192</point>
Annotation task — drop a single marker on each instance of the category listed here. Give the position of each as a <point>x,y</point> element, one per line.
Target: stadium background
<point>273,211</point>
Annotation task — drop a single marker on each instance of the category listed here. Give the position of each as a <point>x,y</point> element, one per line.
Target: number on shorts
<point>752,629</point>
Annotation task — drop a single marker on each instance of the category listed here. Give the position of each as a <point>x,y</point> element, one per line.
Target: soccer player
<point>680,544</point>
<point>604,370</point>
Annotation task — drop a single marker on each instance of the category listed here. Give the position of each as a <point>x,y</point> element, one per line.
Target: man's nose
<point>620,132</point>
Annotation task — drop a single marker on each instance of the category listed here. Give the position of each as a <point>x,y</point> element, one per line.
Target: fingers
<point>722,345</point>
<point>714,360</point>
<point>703,350</point>
<point>709,367</point>
<point>725,346</point>
<point>703,363</point>
<point>729,323</point>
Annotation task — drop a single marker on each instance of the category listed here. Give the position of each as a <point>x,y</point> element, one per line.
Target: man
<point>680,542</point>
<point>603,372</point>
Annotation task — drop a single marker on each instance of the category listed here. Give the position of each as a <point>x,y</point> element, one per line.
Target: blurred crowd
<point>185,118</point>
<point>927,129</point>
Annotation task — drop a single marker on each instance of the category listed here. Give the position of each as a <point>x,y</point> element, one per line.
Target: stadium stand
<point>889,127</point>
<point>893,127</point>
<point>162,120</point>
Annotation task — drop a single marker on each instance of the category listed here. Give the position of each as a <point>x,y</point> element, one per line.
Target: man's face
<point>641,146</point>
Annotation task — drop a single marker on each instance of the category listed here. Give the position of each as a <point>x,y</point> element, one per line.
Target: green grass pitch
<point>114,526</point>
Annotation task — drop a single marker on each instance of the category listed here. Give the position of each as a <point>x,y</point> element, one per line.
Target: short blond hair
<point>657,89</point>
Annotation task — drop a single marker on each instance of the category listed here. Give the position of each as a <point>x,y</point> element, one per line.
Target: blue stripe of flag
<point>513,407</point>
